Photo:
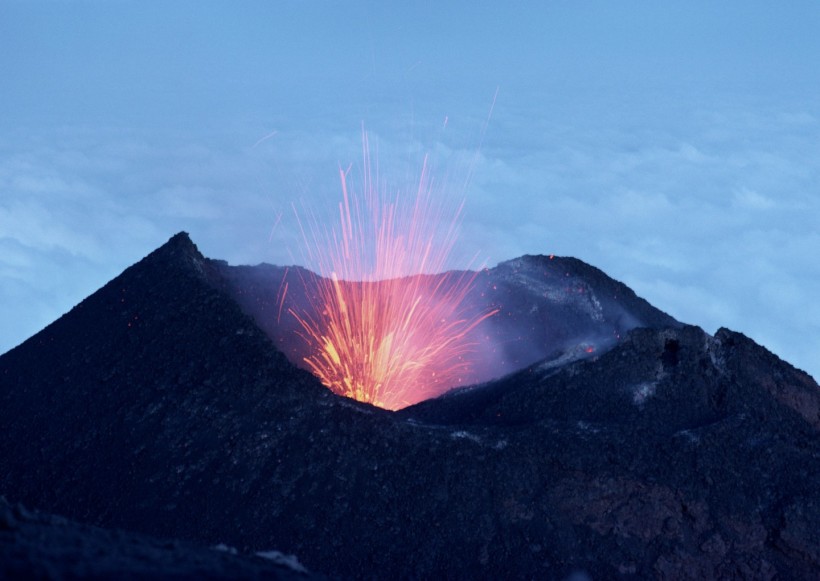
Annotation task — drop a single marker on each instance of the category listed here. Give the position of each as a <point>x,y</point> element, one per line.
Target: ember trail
<point>384,330</point>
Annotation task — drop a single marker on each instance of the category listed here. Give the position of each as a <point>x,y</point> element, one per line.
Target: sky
<point>674,145</point>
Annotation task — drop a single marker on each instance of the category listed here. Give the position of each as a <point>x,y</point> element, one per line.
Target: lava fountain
<point>384,327</point>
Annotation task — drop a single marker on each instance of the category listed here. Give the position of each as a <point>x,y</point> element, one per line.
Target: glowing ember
<point>386,330</point>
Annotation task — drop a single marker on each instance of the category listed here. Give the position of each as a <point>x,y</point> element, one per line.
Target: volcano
<point>598,436</point>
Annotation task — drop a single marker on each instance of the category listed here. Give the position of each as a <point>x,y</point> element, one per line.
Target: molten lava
<point>384,329</point>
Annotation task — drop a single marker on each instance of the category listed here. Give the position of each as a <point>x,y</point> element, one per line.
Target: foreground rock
<point>39,546</point>
<point>158,406</point>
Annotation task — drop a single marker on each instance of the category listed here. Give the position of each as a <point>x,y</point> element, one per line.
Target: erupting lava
<point>386,329</point>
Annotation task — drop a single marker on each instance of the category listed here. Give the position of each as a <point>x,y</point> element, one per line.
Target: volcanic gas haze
<point>379,328</point>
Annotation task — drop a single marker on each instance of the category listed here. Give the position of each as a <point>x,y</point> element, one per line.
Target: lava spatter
<point>383,330</point>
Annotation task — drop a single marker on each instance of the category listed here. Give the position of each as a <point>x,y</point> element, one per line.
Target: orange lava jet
<point>386,329</point>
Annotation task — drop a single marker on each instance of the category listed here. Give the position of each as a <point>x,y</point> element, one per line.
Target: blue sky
<point>674,145</point>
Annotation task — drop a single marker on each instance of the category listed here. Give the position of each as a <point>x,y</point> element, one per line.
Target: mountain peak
<point>181,238</point>
<point>179,248</point>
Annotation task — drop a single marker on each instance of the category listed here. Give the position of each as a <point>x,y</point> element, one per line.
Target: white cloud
<point>710,216</point>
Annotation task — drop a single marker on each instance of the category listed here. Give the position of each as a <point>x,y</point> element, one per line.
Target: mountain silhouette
<point>612,441</point>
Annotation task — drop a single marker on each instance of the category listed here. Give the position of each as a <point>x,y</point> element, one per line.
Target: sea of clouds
<point>675,147</point>
<point>712,217</point>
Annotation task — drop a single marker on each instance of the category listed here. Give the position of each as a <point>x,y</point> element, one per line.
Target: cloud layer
<point>676,148</point>
<point>711,218</point>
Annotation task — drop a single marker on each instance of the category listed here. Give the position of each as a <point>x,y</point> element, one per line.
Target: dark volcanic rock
<point>40,546</point>
<point>157,406</point>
